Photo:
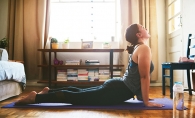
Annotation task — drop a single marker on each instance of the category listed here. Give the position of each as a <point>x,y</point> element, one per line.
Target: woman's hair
<point>131,37</point>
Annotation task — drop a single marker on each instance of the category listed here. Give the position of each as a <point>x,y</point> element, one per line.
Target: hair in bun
<point>131,37</point>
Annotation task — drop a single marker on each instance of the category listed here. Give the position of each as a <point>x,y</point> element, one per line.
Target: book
<point>72,62</point>
<point>82,71</point>
<point>93,78</point>
<point>82,78</point>
<point>104,72</point>
<point>61,78</point>
<point>61,75</point>
<point>71,78</point>
<point>92,62</point>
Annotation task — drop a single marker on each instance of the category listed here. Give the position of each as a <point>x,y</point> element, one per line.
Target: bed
<point>12,77</point>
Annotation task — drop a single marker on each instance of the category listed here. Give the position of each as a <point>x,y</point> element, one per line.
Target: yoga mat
<point>131,104</point>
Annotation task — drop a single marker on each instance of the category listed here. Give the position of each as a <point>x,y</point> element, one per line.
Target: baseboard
<point>156,84</point>
<point>34,83</point>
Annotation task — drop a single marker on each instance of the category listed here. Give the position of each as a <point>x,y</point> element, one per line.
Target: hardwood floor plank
<point>155,92</point>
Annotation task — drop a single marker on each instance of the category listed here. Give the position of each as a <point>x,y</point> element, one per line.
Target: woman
<point>135,82</point>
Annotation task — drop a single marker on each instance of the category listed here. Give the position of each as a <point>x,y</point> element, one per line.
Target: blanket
<point>12,71</point>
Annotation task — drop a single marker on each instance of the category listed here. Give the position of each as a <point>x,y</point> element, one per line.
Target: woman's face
<point>143,32</point>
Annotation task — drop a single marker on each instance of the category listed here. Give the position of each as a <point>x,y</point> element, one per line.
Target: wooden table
<point>176,66</point>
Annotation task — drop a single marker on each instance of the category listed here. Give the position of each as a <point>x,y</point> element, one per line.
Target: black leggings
<point>113,91</point>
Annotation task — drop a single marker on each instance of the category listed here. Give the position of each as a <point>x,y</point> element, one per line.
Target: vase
<point>54,45</point>
<point>106,46</point>
<point>65,45</point>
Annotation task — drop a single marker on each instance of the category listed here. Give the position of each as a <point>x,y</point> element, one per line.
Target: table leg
<point>163,81</point>
<point>111,64</point>
<point>49,69</point>
<point>189,82</point>
<point>171,83</point>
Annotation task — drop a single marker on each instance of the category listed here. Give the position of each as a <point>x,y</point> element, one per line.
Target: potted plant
<point>54,43</point>
<point>106,45</point>
<point>4,43</point>
<point>65,44</point>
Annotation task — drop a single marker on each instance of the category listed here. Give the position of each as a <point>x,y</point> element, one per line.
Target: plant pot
<point>65,45</point>
<point>54,45</point>
<point>106,46</point>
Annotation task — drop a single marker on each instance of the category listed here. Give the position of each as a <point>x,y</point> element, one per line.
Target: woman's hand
<point>152,104</point>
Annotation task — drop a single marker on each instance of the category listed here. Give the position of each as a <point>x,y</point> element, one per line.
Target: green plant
<point>3,43</point>
<point>106,43</point>
<point>66,40</point>
<point>54,40</point>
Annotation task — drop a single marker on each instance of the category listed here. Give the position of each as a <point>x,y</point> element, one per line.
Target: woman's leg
<point>55,95</point>
<point>44,91</point>
<point>72,88</point>
<point>30,98</point>
<point>113,91</point>
<point>69,88</point>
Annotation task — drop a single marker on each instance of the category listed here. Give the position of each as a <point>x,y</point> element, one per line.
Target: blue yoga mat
<point>131,104</point>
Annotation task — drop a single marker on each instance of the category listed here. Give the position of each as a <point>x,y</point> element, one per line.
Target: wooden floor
<point>155,92</point>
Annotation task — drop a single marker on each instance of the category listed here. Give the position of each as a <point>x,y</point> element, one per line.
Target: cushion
<point>3,55</point>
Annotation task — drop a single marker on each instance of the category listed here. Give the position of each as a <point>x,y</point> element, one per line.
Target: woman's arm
<point>144,61</point>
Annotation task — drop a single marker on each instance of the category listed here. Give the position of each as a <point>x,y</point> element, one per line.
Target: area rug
<point>131,104</point>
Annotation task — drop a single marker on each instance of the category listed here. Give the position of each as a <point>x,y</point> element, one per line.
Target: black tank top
<point>131,77</point>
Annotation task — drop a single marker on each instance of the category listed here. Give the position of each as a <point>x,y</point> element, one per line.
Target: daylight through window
<point>83,19</point>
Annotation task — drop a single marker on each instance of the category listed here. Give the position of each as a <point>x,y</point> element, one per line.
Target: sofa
<point>12,76</point>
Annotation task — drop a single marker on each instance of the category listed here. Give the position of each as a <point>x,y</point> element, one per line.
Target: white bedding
<point>12,71</point>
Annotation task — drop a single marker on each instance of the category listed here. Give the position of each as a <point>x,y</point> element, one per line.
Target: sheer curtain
<point>27,32</point>
<point>142,12</point>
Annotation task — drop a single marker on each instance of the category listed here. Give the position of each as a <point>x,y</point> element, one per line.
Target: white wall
<point>188,26</point>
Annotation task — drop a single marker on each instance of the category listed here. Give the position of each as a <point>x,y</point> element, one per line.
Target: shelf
<point>80,66</point>
<point>80,50</point>
<point>73,83</point>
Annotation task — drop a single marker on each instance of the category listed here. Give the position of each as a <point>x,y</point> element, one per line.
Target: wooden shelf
<point>73,83</point>
<point>80,50</point>
<point>80,66</point>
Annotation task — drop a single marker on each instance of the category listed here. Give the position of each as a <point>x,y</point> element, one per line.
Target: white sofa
<point>12,77</point>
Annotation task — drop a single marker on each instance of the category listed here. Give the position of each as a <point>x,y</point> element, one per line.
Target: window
<point>174,15</point>
<point>83,19</point>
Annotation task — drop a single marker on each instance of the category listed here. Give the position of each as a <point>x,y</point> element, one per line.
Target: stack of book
<point>93,74</point>
<point>92,62</point>
<point>82,75</point>
<point>61,75</point>
<point>117,73</point>
<point>72,62</point>
<point>104,74</point>
<point>72,75</point>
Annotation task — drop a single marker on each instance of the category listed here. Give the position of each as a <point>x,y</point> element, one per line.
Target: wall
<point>188,26</point>
<point>3,18</point>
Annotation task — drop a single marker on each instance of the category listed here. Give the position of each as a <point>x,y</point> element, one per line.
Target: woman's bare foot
<point>29,99</point>
<point>44,91</point>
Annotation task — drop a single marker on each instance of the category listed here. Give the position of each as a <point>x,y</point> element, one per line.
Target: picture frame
<point>87,45</point>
